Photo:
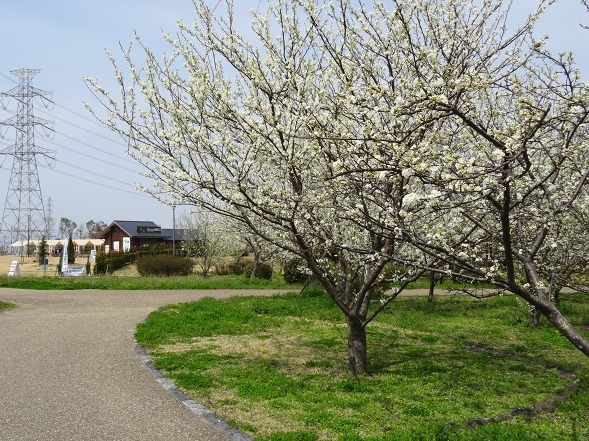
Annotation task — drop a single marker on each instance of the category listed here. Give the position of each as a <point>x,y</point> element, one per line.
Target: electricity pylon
<point>24,216</point>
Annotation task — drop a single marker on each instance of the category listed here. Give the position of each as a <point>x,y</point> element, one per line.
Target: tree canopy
<point>374,142</point>
<point>66,227</point>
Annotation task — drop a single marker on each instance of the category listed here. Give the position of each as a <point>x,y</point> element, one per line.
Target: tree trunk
<point>257,258</point>
<point>555,289</point>
<point>542,304</point>
<point>534,316</point>
<point>432,285</point>
<point>554,316</point>
<point>542,294</point>
<point>254,269</point>
<point>358,359</point>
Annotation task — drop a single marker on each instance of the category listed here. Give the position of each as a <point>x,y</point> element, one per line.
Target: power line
<point>84,128</point>
<point>122,167</point>
<point>78,141</point>
<point>77,167</point>
<point>93,121</point>
<point>8,78</point>
<point>73,112</point>
<point>97,149</point>
<point>93,172</point>
<point>136,193</point>
<point>79,115</point>
<point>52,169</point>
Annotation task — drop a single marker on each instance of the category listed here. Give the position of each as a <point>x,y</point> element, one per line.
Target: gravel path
<point>69,370</point>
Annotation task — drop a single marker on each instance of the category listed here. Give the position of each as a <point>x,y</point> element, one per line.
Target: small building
<point>127,235</point>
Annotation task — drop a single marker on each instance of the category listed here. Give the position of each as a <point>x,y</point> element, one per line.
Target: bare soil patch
<point>29,266</point>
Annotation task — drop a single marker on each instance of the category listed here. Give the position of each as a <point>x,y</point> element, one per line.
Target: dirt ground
<point>29,266</point>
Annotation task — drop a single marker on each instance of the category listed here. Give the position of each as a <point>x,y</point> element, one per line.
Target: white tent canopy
<point>80,244</point>
<point>58,243</point>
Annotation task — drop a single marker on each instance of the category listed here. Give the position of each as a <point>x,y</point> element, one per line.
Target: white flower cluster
<point>425,136</point>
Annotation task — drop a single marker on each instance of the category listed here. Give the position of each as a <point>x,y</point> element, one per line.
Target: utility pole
<point>24,203</point>
<point>49,221</point>
<point>173,230</point>
<point>29,236</point>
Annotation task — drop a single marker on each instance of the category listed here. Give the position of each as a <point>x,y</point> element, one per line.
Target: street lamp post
<point>173,230</point>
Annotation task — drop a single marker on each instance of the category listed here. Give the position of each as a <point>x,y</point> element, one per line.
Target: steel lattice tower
<point>24,215</point>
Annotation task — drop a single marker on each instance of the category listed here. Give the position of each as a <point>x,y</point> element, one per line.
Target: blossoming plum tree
<point>352,136</point>
<point>508,159</point>
<point>277,135</point>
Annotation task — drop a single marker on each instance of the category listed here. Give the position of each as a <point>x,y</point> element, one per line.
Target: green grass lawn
<point>276,368</point>
<point>4,306</point>
<point>123,279</point>
<point>115,282</point>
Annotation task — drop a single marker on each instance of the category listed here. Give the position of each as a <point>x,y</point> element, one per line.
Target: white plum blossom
<point>331,142</point>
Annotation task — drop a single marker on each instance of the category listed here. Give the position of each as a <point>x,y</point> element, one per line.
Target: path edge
<point>196,408</point>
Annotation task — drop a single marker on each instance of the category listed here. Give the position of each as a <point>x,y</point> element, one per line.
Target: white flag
<point>64,259</point>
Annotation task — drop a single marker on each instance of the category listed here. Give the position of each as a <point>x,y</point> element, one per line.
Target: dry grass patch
<point>294,352</point>
<point>29,266</point>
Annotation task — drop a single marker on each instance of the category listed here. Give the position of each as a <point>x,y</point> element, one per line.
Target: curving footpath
<point>69,369</point>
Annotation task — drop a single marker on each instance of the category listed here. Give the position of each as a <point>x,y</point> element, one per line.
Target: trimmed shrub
<point>295,271</point>
<point>71,252</point>
<point>238,266</point>
<point>164,265</point>
<point>112,261</point>
<point>235,268</point>
<point>263,271</point>
<point>101,263</point>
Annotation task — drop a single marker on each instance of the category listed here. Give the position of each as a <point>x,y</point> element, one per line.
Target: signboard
<point>126,244</point>
<point>149,230</point>
<point>14,269</point>
<point>74,271</point>
<point>68,270</point>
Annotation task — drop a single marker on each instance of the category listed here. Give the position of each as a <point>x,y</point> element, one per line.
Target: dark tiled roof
<point>169,233</point>
<point>137,229</point>
<point>144,229</point>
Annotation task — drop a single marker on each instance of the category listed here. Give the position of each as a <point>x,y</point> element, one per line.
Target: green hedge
<point>112,261</point>
<point>164,265</point>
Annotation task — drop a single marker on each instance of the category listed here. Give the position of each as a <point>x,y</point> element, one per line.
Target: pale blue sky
<point>66,39</point>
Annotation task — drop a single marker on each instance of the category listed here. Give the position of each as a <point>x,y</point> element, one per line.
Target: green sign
<point>149,230</point>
